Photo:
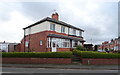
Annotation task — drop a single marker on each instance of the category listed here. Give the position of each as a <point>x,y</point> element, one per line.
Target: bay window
<point>74,43</point>
<point>60,43</point>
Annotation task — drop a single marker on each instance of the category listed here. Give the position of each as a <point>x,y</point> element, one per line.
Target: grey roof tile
<point>54,21</point>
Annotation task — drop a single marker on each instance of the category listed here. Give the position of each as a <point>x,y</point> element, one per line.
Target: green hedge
<point>38,54</point>
<point>92,54</point>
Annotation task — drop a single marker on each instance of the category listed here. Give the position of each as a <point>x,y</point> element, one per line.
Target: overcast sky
<point>98,19</point>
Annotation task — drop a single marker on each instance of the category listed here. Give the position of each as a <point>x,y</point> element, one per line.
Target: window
<point>41,42</point>
<point>74,43</point>
<point>62,29</point>
<point>66,43</point>
<point>74,32</point>
<point>80,33</point>
<point>79,43</point>
<point>60,43</point>
<point>26,44</point>
<point>52,27</point>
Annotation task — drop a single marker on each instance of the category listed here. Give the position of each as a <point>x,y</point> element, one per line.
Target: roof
<point>66,37</point>
<point>8,43</point>
<point>54,21</point>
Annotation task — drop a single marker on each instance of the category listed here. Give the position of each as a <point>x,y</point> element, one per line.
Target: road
<point>50,70</point>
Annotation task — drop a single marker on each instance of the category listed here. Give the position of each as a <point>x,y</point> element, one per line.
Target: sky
<point>99,19</point>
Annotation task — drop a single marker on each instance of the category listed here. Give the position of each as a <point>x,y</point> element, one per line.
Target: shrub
<point>91,54</point>
<point>38,54</point>
<point>76,52</point>
<point>81,48</point>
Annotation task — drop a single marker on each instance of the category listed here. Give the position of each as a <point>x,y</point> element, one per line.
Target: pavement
<point>65,66</point>
<point>51,70</point>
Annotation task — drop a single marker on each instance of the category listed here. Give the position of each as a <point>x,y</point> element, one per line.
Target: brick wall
<point>11,48</point>
<point>17,47</point>
<point>37,60</point>
<point>34,40</point>
<point>100,61</point>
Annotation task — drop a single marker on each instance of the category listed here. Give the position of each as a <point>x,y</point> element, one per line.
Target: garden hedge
<point>37,54</point>
<point>92,54</point>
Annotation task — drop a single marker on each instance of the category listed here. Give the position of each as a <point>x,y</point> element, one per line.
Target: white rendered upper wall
<point>46,26</point>
<point>38,28</point>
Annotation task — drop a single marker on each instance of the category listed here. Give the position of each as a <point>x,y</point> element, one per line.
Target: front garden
<point>37,54</point>
<point>86,57</point>
<point>37,57</point>
<point>93,54</point>
<point>96,58</point>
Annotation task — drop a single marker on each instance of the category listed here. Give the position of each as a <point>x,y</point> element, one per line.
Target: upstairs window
<point>62,29</point>
<point>74,32</point>
<point>52,27</point>
<point>80,33</point>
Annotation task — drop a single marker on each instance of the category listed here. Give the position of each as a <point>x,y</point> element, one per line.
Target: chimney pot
<point>55,16</point>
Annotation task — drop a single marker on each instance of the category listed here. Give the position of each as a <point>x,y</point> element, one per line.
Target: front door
<point>54,47</point>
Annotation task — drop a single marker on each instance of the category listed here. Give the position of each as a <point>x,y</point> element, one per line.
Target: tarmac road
<point>51,70</point>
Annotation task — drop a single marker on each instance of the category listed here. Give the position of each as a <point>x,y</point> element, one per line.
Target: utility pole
<point>91,38</point>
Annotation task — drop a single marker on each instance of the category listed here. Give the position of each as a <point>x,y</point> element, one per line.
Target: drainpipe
<point>71,45</point>
<point>24,40</point>
<point>50,44</point>
<point>68,30</point>
<point>29,40</point>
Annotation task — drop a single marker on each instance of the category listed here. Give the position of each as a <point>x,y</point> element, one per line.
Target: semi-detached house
<point>51,35</point>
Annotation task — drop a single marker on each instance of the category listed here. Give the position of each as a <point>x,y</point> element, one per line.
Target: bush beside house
<point>80,48</point>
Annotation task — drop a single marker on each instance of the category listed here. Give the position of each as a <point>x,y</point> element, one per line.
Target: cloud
<point>98,19</point>
<point>38,10</point>
<point>11,31</point>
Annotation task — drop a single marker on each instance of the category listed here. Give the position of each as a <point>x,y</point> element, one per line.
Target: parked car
<point>3,51</point>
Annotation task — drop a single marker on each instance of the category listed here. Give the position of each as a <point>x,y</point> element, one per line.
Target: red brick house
<point>50,34</point>
<point>111,45</point>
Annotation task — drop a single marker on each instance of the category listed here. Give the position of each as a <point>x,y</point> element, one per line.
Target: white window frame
<point>41,42</point>
<point>73,43</point>
<point>26,43</point>
<point>62,29</point>
<point>74,31</point>
<point>59,42</point>
<point>52,27</point>
<point>80,33</point>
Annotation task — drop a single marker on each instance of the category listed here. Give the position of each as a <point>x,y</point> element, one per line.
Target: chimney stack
<point>55,16</point>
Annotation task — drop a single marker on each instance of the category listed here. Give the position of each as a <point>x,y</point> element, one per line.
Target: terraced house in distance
<point>51,35</point>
